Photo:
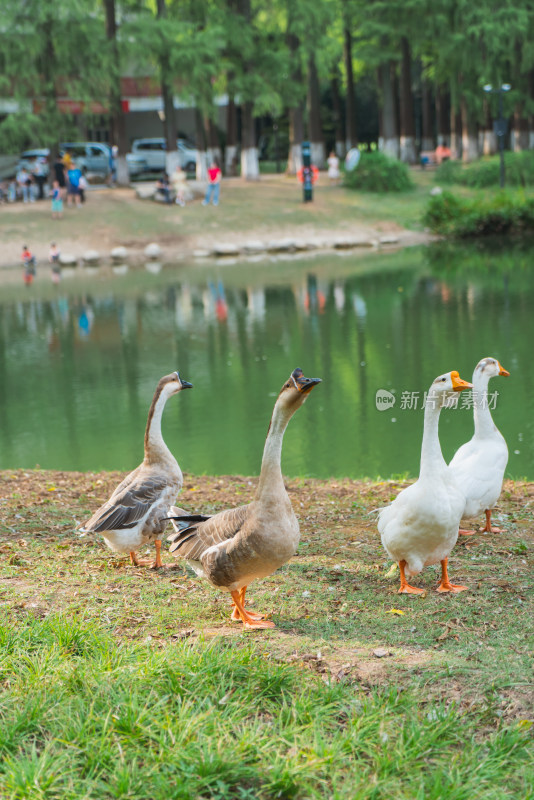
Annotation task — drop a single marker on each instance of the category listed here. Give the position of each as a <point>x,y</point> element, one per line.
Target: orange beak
<point>458,384</point>
<point>502,371</point>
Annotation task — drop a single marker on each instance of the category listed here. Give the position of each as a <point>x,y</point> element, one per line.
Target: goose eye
<point>443,380</point>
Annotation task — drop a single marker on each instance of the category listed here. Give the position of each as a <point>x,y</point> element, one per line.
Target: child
<point>28,262</point>
<point>82,186</point>
<point>53,257</point>
<point>57,201</point>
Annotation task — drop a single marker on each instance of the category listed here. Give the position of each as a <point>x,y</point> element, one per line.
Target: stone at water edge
<point>153,250</point>
<point>68,260</point>
<point>119,254</point>
<point>91,257</point>
<point>225,249</point>
<point>389,239</point>
<point>202,253</point>
<point>254,247</point>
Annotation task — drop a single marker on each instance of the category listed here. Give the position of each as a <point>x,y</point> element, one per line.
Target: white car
<point>153,152</point>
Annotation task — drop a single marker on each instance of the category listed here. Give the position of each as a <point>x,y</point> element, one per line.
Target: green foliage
<point>502,213</point>
<point>85,716</point>
<point>486,172</point>
<point>377,172</point>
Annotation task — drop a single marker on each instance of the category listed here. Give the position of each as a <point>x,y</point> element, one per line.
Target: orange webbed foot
<point>253,624</point>
<point>463,532</point>
<point>407,589</point>
<point>451,587</point>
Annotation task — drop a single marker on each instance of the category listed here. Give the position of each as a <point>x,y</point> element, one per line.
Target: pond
<point>79,362</point>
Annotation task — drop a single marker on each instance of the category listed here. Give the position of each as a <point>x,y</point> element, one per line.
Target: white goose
<point>247,543</point>
<point>478,465</point>
<point>420,527</point>
<point>136,512</point>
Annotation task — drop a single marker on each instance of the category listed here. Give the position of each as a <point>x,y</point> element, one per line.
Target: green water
<point>79,362</point>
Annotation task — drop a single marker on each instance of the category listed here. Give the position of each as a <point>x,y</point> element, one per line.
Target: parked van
<point>153,152</point>
<point>89,156</point>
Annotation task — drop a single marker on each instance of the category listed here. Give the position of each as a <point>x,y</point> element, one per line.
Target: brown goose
<point>240,545</point>
<point>136,512</point>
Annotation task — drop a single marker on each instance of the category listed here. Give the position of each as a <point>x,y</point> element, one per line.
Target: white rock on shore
<point>119,254</point>
<point>68,260</point>
<point>91,257</point>
<point>153,250</point>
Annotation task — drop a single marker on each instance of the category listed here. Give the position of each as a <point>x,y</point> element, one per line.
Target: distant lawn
<point>271,207</point>
<point>117,682</point>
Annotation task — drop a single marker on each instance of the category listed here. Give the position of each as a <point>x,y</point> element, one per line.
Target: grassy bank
<point>270,208</point>
<point>122,682</point>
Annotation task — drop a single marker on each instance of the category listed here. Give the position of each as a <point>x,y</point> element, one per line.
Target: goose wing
<point>196,534</point>
<point>129,504</point>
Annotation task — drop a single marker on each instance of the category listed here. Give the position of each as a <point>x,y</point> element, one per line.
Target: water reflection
<point>78,369</point>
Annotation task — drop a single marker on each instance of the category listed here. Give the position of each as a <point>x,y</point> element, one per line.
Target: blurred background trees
<point>402,77</point>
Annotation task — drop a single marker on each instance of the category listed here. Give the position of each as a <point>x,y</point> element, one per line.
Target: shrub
<point>502,213</point>
<point>486,172</point>
<point>377,172</point>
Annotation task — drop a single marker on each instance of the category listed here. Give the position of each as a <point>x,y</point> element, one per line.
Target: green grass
<point>269,208</point>
<point>123,682</point>
<point>83,716</point>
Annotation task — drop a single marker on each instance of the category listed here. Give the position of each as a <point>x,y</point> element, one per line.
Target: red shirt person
<point>214,184</point>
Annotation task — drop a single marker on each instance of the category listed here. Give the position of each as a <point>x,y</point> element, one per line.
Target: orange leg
<point>488,528</point>
<point>405,587</point>
<point>446,585</point>
<point>235,613</point>
<point>147,562</point>
<point>248,621</point>
<point>133,560</point>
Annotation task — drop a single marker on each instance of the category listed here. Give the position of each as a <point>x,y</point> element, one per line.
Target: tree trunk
<point>389,134</point>
<point>443,116</point>
<point>351,136</point>
<point>456,130</point>
<point>118,121</point>
<point>520,141</point>
<point>212,139</point>
<point>427,129</point>
<point>250,165</point>
<point>469,132</point>
<point>202,166</point>
<point>230,154</point>
<point>315,128</point>
<point>339,145</point>
<point>296,114</point>
<point>407,117</point>
<point>170,132</point>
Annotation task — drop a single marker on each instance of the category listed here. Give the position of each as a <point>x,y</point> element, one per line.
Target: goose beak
<point>458,384</point>
<point>502,371</point>
<point>303,384</point>
<point>186,384</point>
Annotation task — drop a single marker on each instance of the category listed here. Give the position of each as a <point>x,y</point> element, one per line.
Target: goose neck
<point>271,480</point>
<point>155,447</point>
<point>432,460</point>
<point>484,424</point>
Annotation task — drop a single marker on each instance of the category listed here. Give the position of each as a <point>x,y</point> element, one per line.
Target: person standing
<point>57,201</point>
<point>24,181</point>
<point>59,174</point>
<point>74,174</point>
<point>333,167</point>
<point>214,184</point>
<point>82,186</point>
<point>38,172</point>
